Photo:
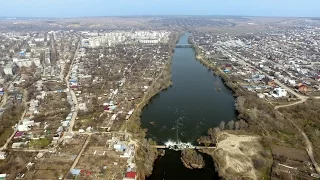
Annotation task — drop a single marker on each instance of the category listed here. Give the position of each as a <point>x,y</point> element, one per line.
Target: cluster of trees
<point>146,154</point>
<point>9,118</point>
<point>306,115</point>
<point>145,157</point>
<point>16,164</point>
<point>258,116</point>
<point>191,159</point>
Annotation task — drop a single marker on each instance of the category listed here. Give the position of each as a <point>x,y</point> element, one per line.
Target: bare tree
<point>231,125</point>
<point>240,103</point>
<point>221,126</point>
<point>254,114</point>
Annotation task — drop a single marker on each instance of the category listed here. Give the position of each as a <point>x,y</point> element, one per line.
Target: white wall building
<point>9,69</point>
<point>279,92</point>
<point>3,155</point>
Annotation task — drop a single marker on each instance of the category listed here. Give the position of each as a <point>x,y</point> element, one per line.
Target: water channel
<point>197,101</point>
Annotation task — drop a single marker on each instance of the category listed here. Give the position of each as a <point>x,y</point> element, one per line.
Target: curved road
<point>302,98</point>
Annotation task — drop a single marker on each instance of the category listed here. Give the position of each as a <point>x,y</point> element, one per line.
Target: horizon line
<point>105,16</point>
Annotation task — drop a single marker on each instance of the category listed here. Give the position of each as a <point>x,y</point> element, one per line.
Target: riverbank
<point>184,112</point>
<point>258,117</point>
<point>145,153</point>
<point>241,155</point>
<point>216,70</point>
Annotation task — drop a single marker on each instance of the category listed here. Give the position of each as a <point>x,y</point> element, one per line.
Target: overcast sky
<point>81,8</point>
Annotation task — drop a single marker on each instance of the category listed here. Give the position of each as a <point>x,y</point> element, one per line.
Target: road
<point>302,98</point>
<point>72,93</point>
<point>75,162</point>
<point>307,143</point>
<point>242,60</point>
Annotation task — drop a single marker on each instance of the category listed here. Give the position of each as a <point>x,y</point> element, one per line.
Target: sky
<point>84,8</point>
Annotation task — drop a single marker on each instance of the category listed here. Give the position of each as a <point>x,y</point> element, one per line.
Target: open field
<point>241,156</point>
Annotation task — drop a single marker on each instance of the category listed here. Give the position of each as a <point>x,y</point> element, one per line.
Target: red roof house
<point>18,134</point>
<point>130,176</point>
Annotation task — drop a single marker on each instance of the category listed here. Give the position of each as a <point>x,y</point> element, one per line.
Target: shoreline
<point>168,84</point>
<point>216,70</point>
<point>164,79</point>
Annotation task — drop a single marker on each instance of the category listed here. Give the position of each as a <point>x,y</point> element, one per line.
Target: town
<point>71,96</point>
<point>279,66</point>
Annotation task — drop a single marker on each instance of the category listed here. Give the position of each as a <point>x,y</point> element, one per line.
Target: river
<point>197,101</point>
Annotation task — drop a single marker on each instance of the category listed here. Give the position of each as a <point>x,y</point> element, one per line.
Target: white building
<point>279,92</point>
<point>3,155</point>
<point>10,68</point>
<point>25,126</point>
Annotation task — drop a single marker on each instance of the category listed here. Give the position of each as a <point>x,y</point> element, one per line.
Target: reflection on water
<point>197,101</point>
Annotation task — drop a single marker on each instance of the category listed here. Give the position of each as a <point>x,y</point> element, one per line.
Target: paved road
<point>72,93</point>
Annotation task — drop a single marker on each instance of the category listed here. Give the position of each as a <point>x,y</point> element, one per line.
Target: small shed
<point>3,155</point>
<point>75,171</point>
<point>18,134</point>
<point>3,176</point>
<point>119,147</point>
<point>130,176</point>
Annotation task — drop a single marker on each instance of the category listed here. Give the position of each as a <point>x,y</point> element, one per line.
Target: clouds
<point>79,8</point>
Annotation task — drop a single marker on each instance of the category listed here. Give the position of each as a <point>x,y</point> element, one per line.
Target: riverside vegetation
<point>191,159</point>
<point>257,116</point>
<point>146,154</point>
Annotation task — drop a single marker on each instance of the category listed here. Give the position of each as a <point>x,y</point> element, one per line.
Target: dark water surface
<point>171,167</point>
<point>192,105</point>
<point>197,101</point>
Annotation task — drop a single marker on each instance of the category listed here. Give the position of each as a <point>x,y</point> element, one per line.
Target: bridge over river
<point>183,45</point>
<point>180,146</point>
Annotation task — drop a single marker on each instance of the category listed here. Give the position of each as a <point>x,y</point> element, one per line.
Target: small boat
<point>218,89</point>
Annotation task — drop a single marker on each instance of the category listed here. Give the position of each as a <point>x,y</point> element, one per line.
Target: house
<point>3,155</point>
<point>268,81</point>
<point>1,91</point>
<point>260,95</point>
<point>303,88</point>
<point>25,126</point>
<point>130,176</point>
<point>228,68</point>
<point>119,147</point>
<point>18,145</point>
<point>68,135</point>
<point>65,123</point>
<point>3,176</point>
<point>75,172</point>
<point>279,92</point>
<point>18,135</point>
<point>10,69</point>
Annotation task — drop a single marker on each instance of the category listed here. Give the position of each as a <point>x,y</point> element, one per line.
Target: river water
<point>197,101</point>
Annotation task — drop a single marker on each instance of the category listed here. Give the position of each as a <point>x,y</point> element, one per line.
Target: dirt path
<point>292,104</point>
<point>75,162</point>
<point>307,143</point>
<point>303,98</point>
